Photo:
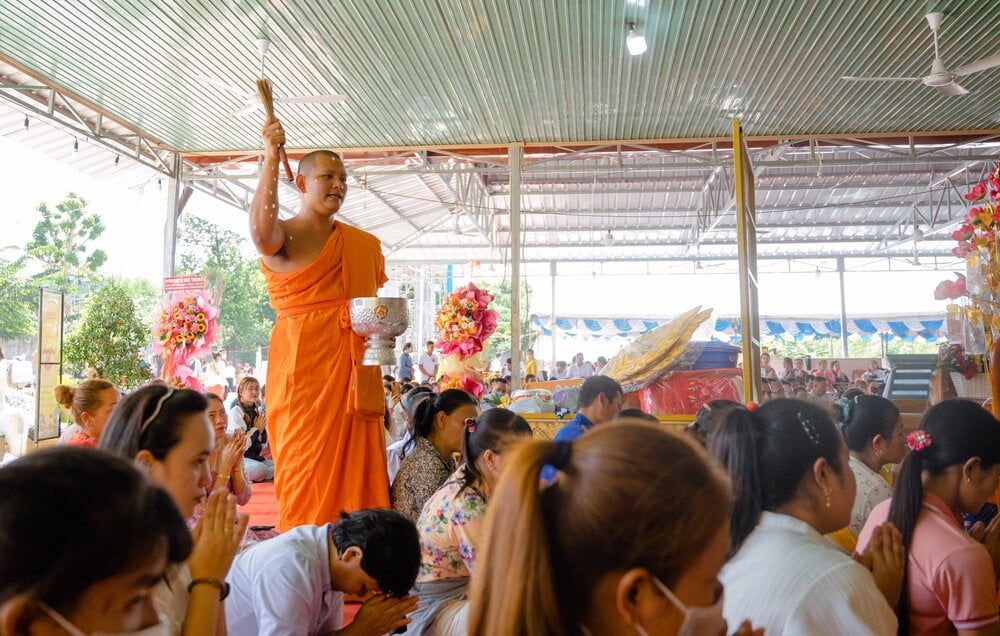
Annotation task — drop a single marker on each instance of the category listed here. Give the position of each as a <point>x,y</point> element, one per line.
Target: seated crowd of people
<point>826,383</point>
<point>771,519</point>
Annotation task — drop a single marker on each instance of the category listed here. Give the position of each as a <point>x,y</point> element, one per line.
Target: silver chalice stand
<point>379,321</point>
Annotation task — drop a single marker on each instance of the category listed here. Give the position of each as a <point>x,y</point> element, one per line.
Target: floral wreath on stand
<point>186,327</point>
<point>464,322</point>
<point>978,244</point>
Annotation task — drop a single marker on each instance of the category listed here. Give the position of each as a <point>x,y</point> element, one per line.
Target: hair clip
<point>751,406</point>
<point>845,407</point>
<point>470,423</point>
<point>156,411</point>
<point>808,427</point>
<point>918,440</point>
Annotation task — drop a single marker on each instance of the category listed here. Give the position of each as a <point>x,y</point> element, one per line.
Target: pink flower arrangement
<point>467,383</point>
<point>979,231</point>
<point>464,321</point>
<point>186,327</point>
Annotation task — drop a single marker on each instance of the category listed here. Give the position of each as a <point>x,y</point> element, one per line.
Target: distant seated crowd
<point>768,519</point>
<point>826,383</point>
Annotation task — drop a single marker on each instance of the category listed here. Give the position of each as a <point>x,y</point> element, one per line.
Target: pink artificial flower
<point>964,233</point>
<point>950,288</point>
<point>964,249</point>
<point>471,385</point>
<point>977,193</point>
<point>918,440</point>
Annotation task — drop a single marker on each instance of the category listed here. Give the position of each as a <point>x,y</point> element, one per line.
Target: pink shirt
<point>951,581</point>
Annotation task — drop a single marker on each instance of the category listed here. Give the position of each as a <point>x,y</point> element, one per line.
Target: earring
<point>878,453</point>
<point>828,500</point>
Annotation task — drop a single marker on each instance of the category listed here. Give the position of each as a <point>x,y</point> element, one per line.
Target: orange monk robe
<point>324,410</point>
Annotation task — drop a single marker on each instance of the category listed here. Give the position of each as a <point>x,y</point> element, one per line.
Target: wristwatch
<point>222,586</point>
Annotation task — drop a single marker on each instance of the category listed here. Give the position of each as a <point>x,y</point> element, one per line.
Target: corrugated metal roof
<point>451,73</point>
<point>454,72</point>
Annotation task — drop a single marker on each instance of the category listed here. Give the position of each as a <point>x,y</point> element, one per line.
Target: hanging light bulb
<point>918,234</point>
<point>635,43</point>
<point>608,239</point>
<point>818,273</point>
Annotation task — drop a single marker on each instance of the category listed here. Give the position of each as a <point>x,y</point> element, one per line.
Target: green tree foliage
<point>61,244</point>
<point>234,281</point>
<point>110,337</point>
<point>146,296</point>
<point>18,300</point>
<point>499,342</point>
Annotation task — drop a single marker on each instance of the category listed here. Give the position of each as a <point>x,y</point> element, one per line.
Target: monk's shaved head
<point>307,162</point>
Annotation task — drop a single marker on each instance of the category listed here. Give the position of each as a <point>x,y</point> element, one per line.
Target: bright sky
<point>134,243</point>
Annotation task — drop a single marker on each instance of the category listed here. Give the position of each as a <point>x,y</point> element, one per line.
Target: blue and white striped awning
<point>929,328</point>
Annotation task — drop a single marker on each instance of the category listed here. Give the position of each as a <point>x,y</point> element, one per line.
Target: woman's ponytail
<point>734,443</point>
<point>517,540</point>
<point>907,499</point>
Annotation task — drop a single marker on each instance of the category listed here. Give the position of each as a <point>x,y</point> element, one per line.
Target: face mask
<point>698,621</point>
<point>706,620</point>
<point>160,629</point>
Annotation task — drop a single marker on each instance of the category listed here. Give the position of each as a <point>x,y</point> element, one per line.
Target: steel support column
<point>177,198</point>
<point>843,306</point>
<point>516,157</point>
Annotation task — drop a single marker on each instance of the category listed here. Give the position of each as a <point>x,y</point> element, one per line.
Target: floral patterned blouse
<point>872,489</point>
<point>450,528</point>
<point>422,472</point>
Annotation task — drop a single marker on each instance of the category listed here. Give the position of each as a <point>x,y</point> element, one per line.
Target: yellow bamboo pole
<point>746,240</point>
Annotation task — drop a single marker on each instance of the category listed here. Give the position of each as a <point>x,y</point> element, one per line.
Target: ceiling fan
<point>251,100</point>
<point>940,76</point>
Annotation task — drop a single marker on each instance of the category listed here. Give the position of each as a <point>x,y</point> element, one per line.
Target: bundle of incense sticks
<point>267,99</point>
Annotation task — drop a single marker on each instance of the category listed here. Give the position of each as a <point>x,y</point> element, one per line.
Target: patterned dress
<point>422,472</point>
<point>450,528</point>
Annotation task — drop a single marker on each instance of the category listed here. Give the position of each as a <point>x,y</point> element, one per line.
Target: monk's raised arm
<point>266,232</point>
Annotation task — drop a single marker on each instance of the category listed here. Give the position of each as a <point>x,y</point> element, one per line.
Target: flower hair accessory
<point>918,440</point>
<point>751,406</point>
<point>470,423</point>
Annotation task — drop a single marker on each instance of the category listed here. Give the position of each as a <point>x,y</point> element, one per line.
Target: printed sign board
<point>50,334</point>
<point>183,284</point>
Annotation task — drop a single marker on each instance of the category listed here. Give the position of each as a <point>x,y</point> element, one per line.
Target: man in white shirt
<point>295,583</point>
<point>579,368</point>
<point>560,372</point>
<point>428,363</point>
<point>496,364</point>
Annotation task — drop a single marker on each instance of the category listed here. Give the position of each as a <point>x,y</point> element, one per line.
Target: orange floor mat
<point>262,507</point>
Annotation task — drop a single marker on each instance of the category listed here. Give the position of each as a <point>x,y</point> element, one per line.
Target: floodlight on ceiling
<point>918,234</point>
<point>608,239</point>
<point>634,41</point>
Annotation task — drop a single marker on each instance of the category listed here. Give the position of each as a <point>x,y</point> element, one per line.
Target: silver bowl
<point>379,321</point>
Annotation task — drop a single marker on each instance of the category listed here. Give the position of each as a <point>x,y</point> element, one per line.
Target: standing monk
<point>324,408</point>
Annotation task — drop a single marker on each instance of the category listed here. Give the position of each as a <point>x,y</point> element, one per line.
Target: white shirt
<point>560,375</point>
<point>282,586</point>
<point>428,362</point>
<point>394,455</point>
<point>871,491</point>
<point>789,580</point>
<point>580,370</point>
